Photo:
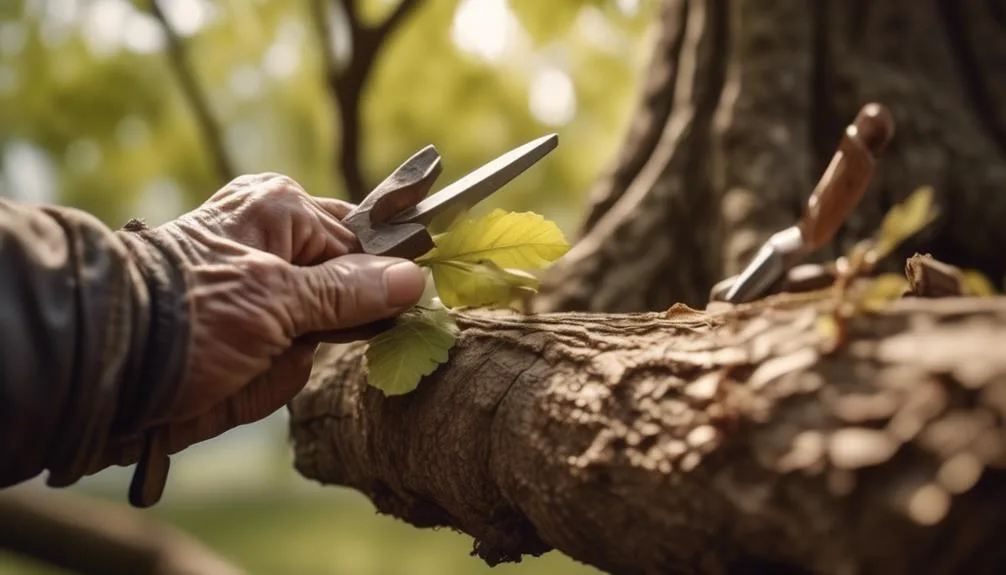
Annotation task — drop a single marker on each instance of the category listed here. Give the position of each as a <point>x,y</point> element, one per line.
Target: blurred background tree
<point>92,113</point>
<point>127,108</point>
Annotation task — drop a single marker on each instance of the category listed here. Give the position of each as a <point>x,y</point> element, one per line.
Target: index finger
<point>336,207</point>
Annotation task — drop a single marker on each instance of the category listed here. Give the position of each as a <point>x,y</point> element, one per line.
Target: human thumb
<point>353,290</point>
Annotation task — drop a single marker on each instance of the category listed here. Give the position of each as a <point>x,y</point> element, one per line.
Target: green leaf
<point>882,290</point>
<point>905,220</point>
<point>977,284</point>
<point>522,240</point>
<point>420,340</point>
<point>467,284</point>
<point>478,262</point>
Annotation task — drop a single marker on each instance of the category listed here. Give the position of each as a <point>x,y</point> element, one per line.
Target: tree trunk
<point>743,108</point>
<point>691,442</point>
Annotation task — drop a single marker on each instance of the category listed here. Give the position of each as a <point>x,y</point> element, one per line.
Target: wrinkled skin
<point>269,264</point>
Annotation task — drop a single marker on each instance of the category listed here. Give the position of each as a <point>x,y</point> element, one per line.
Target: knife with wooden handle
<point>836,195</point>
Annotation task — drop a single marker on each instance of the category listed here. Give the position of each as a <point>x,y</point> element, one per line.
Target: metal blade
<point>479,184</point>
<point>777,256</point>
<point>762,273</point>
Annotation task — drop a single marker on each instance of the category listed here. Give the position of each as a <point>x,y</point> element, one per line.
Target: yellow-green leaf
<point>904,220</point>
<point>977,284</point>
<point>420,340</point>
<point>523,240</point>
<point>467,284</point>
<point>882,290</point>
<point>827,325</point>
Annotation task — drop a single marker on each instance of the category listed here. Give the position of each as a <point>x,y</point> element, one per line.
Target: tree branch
<point>691,442</point>
<point>352,15</point>
<point>323,29</point>
<point>395,18</point>
<point>197,99</point>
<point>347,83</point>
<point>93,538</point>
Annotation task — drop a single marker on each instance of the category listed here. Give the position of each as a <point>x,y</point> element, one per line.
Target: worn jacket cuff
<point>154,380</point>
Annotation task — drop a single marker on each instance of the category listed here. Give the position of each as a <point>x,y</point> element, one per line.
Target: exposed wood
<point>738,440</point>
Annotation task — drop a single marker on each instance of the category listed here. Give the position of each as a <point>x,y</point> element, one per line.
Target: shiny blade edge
<point>480,183</point>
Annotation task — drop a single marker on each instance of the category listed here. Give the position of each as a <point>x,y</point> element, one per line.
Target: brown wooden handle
<point>848,175</point>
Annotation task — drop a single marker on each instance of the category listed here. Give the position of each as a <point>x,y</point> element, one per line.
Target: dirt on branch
<point>691,442</point>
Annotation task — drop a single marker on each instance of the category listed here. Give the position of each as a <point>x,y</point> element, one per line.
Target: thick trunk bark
<point>751,97</point>
<point>691,442</point>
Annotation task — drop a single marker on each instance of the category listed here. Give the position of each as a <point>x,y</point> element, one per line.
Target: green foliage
<point>473,262</point>
<point>482,284</point>
<point>976,284</point>
<point>905,220</point>
<point>427,89</point>
<point>508,239</point>
<point>546,21</point>
<point>477,262</point>
<point>419,341</point>
<point>273,531</point>
<point>122,140</point>
<point>901,222</point>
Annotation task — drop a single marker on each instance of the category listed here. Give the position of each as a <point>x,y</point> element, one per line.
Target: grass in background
<point>337,532</point>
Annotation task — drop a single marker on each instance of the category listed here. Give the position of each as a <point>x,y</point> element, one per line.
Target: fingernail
<point>403,284</point>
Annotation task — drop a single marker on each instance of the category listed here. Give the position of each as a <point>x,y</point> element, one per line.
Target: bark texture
<point>743,107</point>
<point>742,440</point>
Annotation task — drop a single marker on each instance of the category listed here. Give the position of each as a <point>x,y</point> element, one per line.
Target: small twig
<point>197,99</point>
<point>928,277</point>
<point>352,15</point>
<point>404,8</point>
<point>88,537</point>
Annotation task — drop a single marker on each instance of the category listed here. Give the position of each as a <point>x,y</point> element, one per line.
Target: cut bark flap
<point>690,442</point>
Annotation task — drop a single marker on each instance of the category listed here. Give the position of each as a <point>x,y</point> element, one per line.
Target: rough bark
<point>760,92</point>
<point>739,440</point>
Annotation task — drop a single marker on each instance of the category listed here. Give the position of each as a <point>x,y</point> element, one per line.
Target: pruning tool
<point>836,195</point>
<point>394,220</point>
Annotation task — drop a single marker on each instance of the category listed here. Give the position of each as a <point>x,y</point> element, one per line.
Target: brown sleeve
<point>93,339</point>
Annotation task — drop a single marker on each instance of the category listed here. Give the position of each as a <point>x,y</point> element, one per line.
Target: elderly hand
<point>268,265</point>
